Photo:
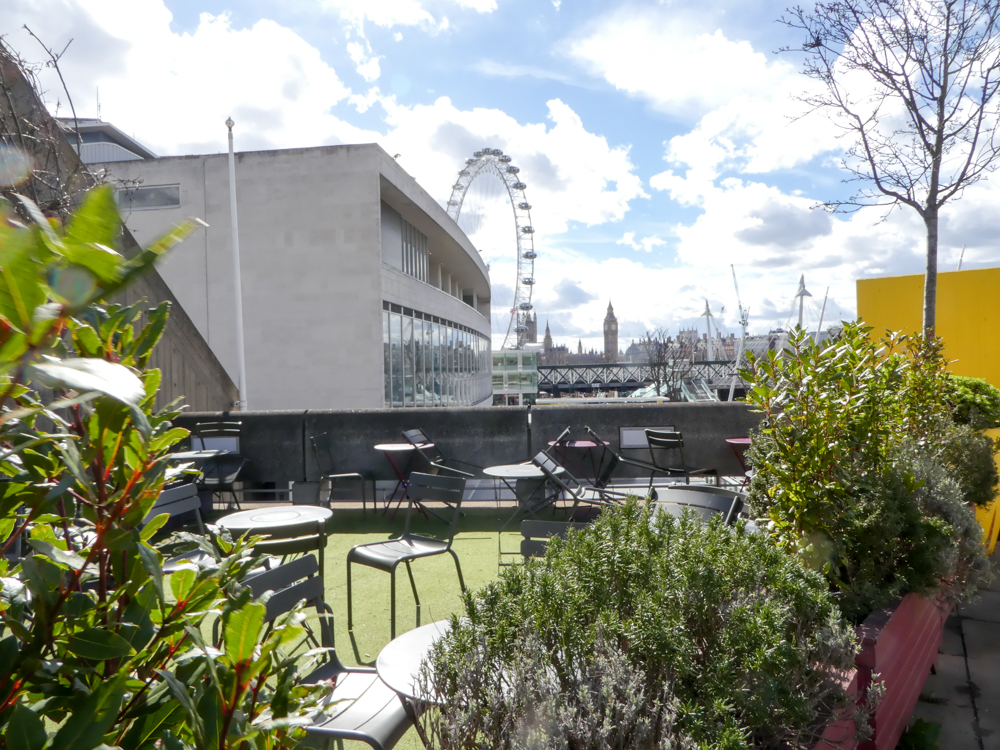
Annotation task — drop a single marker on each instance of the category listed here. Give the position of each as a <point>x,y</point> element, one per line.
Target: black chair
<point>436,461</point>
<point>324,456</point>
<point>535,535</point>
<point>361,706</point>
<point>674,441</point>
<point>705,504</point>
<point>176,501</point>
<point>565,483</point>
<point>388,555</point>
<point>220,473</point>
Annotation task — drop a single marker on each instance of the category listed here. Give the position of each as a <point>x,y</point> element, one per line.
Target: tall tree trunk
<point>930,274</point>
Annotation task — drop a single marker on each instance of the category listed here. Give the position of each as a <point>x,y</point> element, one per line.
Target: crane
<point>744,319</point>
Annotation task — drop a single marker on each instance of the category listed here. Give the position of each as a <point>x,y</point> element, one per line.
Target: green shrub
<point>860,470</point>
<point>644,632</point>
<point>99,646</point>
<point>974,402</point>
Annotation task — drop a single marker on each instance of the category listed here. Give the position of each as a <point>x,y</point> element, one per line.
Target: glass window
<point>396,340</point>
<point>386,362</point>
<point>408,364</point>
<point>147,197</point>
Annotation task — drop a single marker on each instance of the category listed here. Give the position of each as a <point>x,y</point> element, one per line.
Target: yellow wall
<point>967,319</point>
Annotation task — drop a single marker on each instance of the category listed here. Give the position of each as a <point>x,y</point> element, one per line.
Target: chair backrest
<point>293,538</point>
<point>631,438</point>
<point>561,479</point>
<point>436,488</point>
<point>729,505</point>
<point>536,534</point>
<point>708,489</point>
<point>426,447</point>
<point>177,500</point>
<point>294,582</point>
<point>222,435</point>
<point>323,450</point>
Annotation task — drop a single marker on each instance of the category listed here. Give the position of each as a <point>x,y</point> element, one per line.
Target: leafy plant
<point>974,402</point>
<point>842,459</point>
<point>100,644</point>
<point>643,631</point>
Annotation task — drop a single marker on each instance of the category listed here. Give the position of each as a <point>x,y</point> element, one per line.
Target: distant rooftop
<point>103,142</point>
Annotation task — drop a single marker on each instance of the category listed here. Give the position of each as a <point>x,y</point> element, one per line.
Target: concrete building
<point>358,290</point>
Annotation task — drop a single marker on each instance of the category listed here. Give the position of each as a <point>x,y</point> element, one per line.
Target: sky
<point>662,143</point>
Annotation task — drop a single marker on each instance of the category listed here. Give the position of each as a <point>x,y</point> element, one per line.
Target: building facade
<point>358,290</point>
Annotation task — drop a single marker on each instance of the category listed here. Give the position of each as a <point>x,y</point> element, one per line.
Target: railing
<point>625,375</point>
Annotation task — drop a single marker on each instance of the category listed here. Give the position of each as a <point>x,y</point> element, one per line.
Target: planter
<point>898,646</point>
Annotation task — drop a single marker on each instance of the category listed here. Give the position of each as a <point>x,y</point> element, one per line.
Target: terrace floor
<point>963,693</point>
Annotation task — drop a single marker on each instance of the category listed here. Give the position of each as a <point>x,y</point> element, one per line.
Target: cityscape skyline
<point>658,142</point>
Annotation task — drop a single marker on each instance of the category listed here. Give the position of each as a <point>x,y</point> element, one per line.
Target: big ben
<point>611,335</point>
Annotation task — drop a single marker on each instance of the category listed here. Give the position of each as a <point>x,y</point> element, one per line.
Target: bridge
<point>624,376</point>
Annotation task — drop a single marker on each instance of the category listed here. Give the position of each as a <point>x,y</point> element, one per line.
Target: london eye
<point>486,180</point>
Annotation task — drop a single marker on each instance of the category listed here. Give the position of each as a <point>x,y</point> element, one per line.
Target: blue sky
<point>658,140</point>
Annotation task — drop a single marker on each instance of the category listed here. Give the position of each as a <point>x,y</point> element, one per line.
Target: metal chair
<point>702,502</point>
<point>361,706</point>
<point>565,482</point>
<point>220,473</point>
<point>176,501</point>
<point>434,458</point>
<point>387,556</point>
<point>536,534</point>
<point>324,457</point>
<point>674,441</point>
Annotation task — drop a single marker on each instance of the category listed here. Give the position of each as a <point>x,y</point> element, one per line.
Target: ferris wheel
<point>484,168</point>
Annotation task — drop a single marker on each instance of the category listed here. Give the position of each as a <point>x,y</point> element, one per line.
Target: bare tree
<point>913,83</point>
<point>669,362</point>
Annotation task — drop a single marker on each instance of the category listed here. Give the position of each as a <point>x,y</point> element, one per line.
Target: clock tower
<point>610,335</point>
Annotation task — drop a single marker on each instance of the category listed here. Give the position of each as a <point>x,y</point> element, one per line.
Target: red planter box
<point>898,646</point>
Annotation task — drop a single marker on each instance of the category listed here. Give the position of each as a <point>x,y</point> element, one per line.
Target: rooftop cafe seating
<point>387,555</point>
<point>360,707</point>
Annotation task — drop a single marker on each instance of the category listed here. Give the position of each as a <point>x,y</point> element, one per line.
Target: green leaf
<point>90,374</point>
<point>92,230</point>
<point>20,282</point>
<point>184,699</point>
<point>154,525</point>
<point>242,631</point>
<point>98,644</point>
<point>153,564</point>
<point>62,556</point>
<point>25,730</point>
<point>145,732</point>
<point>91,717</point>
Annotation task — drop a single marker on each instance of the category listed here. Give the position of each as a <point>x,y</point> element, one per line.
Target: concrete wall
<point>965,315</point>
<point>312,269</point>
<point>190,369</point>
<point>278,446</point>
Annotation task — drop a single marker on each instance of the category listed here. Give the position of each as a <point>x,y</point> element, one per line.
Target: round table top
<point>264,519</point>
<point>518,471</point>
<point>579,443</point>
<point>738,441</point>
<point>400,447</point>
<point>398,664</point>
<point>201,455</point>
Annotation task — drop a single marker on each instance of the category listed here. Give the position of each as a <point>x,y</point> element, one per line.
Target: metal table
<point>264,520</point>
<point>402,474</point>
<point>527,479</point>
<point>739,446</point>
<point>398,664</point>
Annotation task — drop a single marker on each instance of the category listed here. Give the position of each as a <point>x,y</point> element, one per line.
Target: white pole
<point>821,314</point>
<point>244,402</point>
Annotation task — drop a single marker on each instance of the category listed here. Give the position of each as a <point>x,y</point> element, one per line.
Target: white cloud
<point>646,243</point>
<point>366,64</point>
<point>174,91</point>
<point>389,13</point>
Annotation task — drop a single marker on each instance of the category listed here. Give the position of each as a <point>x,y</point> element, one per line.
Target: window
<point>149,197</point>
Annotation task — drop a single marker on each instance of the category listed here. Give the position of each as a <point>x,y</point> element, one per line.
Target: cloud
<point>390,13</point>
<point>646,243</point>
<point>785,224</point>
<point>514,70</point>
<point>367,64</point>
<point>570,294</point>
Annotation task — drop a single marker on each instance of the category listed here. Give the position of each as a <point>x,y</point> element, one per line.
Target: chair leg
<point>461,580</point>
<point>413,585</point>
<point>350,611</point>
<point>392,605</point>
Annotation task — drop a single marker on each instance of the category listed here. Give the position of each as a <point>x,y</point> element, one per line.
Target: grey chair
<point>565,483</point>
<point>219,474</point>
<point>535,535</point>
<point>436,462</point>
<point>703,502</point>
<point>323,450</point>
<point>387,555</point>
<point>177,501</point>
<point>362,707</point>
<point>660,441</point>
